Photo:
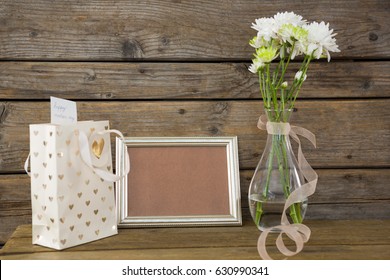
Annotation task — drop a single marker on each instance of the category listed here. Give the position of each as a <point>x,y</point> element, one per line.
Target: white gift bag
<point>72,190</point>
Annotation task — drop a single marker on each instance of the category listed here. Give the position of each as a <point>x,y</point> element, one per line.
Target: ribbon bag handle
<point>26,164</point>
<point>85,153</point>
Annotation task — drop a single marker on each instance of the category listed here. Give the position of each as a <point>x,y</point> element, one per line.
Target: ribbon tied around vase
<point>299,233</point>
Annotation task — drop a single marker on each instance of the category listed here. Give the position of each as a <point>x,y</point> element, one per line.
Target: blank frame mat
<point>178,181</point>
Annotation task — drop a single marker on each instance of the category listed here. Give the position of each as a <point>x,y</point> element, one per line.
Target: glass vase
<point>276,176</point>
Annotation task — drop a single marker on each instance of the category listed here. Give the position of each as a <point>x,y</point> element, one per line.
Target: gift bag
<point>72,190</point>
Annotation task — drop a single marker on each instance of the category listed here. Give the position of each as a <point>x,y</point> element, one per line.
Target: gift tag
<point>63,111</point>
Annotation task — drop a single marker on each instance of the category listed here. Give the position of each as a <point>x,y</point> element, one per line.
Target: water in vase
<point>268,212</point>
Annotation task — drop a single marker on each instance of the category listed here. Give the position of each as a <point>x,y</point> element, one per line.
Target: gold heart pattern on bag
<point>97,147</point>
<point>92,222</point>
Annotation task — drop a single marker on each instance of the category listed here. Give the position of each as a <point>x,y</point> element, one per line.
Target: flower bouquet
<point>282,38</point>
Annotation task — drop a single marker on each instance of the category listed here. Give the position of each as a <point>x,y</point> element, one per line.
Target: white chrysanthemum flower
<point>284,85</point>
<point>320,40</point>
<point>286,32</point>
<point>298,76</point>
<point>256,66</point>
<point>287,18</point>
<point>290,33</point>
<point>265,28</point>
<point>294,35</point>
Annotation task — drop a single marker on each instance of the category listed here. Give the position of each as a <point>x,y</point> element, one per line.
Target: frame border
<point>233,218</point>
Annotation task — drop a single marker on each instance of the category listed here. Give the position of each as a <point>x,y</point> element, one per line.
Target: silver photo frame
<point>178,181</point>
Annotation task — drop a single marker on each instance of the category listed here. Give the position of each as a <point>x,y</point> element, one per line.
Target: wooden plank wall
<point>179,68</point>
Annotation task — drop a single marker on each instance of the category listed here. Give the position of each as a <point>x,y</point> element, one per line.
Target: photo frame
<point>179,181</point>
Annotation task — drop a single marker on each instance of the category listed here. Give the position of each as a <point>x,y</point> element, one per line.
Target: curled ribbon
<point>299,233</point>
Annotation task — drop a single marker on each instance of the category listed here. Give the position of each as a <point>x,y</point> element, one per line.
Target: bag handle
<point>26,164</point>
<point>85,152</point>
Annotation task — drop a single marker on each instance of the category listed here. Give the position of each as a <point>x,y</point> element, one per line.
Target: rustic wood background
<point>179,68</point>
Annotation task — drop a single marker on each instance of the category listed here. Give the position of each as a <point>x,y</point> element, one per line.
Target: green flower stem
<point>259,208</point>
<point>266,98</point>
<point>267,91</point>
<point>295,209</point>
<point>300,82</point>
<point>259,212</point>
<point>270,162</point>
<point>297,84</point>
<point>261,86</point>
<point>270,87</point>
<point>280,65</point>
<point>279,150</point>
<point>281,167</point>
<point>281,155</point>
<point>286,66</point>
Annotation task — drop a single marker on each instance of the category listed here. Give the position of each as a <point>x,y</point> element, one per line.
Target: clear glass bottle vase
<point>276,176</point>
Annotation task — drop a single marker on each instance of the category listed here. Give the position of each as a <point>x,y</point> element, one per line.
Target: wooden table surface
<point>331,239</point>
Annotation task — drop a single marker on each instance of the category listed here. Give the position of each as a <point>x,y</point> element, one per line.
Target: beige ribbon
<point>299,233</point>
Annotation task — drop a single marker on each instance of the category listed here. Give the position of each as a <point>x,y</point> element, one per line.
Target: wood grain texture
<point>340,194</point>
<point>116,81</point>
<point>349,133</point>
<point>328,232</point>
<point>174,30</point>
<point>329,252</point>
<point>328,241</point>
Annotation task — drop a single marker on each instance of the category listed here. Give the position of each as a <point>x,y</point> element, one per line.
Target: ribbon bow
<point>299,233</point>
